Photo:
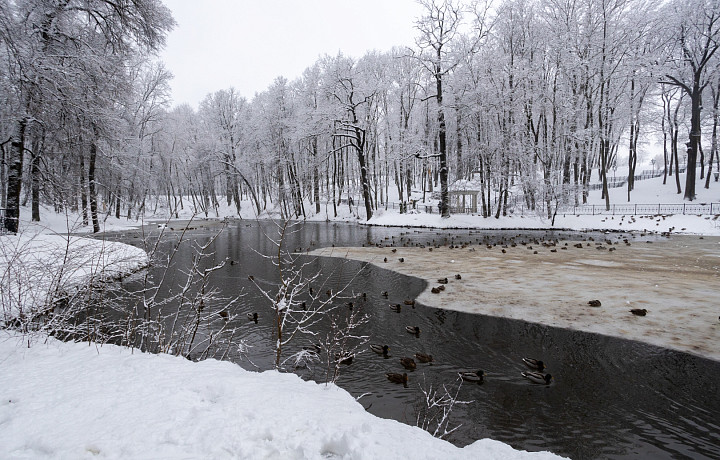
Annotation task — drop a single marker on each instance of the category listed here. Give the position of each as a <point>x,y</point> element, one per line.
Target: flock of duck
<point>536,375</point>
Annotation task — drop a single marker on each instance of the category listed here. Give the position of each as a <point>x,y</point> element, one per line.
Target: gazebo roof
<point>467,186</point>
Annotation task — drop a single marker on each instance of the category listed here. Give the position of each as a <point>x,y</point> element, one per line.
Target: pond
<point>610,398</point>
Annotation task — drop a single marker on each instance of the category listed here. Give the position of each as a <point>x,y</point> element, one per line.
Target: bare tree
<point>696,43</point>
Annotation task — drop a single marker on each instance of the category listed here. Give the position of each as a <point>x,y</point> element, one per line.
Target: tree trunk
<point>35,179</point>
<point>713,139</point>
<point>91,187</point>
<point>83,193</point>
<point>442,134</point>
<point>695,100</point>
<point>14,172</point>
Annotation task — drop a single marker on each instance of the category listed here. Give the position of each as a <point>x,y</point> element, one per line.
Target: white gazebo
<point>464,193</point>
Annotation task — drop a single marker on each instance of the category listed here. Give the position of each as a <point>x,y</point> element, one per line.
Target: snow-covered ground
<point>648,192</point>
<point>70,400</point>
<point>40,262</point>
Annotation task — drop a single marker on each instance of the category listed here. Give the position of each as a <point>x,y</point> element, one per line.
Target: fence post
<point>635,213</point>
<point>683,209</point>
<point>658,208</point>
<point>613,210</point>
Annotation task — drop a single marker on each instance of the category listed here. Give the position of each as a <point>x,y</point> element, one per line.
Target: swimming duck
<point>409,302</point>
<point>384,294</point>
<point>639,311</point>
<point>380,349</point>
<point>458,277</point>
<point>253,317</point>
<point>533,363</point>
<point>413,329</point>
<point>396,307</point>
<point>476,377</point>
<point>224,314</point>
<point>314,348</point>
<point>594,303</point>
<point>537,377</point>
<point>401,259</point>
<point>408,363</point>
<point>435,290</point>
<point>443,281</point>
<point>398,378</point>
<point>343,359</point>
<point>423,358</point>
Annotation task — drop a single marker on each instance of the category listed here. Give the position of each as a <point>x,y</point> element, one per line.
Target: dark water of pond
<point>610,398</point>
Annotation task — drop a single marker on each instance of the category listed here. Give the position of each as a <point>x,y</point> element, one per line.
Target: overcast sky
<point>248,43</point>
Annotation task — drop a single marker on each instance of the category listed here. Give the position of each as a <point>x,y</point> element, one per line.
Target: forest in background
<point>529,99</point>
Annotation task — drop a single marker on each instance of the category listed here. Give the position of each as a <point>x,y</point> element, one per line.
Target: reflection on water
<point>610,398</point>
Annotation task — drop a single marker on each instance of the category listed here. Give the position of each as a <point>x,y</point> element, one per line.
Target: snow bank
<point>71,400</point>
<point>35,266</point>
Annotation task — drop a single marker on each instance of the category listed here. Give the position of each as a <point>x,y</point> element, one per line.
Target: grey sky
<point>247,44</point>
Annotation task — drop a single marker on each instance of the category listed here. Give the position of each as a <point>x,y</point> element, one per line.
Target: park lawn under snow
<point>74,400</point>
<point>647,192</point>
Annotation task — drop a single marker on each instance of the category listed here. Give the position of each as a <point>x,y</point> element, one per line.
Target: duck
<point>253,317</point>
<point>342,359</point>
<point>313,348</point>
<point>380,349</point>
<point>401,259</point>
<point>398,378</point>
<point>408,363</point>
<point>443,281</point>
<point>413,329</point>
<point>639,311</point>
<point>423,358</point>
<point>396,307</point>
<point>476,376</point>
<point>533,363</point>
<point>224,314</point>
<point>384,294</point>
<point>409,302</point>
<point>458,276</point>
<point>595,303</point>
<point>435,290</point>
<point>537,377</point>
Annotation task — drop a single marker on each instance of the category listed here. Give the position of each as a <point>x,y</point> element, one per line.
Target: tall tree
<point>58,48</point>
<point>696,25</point>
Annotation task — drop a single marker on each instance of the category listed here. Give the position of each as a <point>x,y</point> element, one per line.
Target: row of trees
<point>528,98</point>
